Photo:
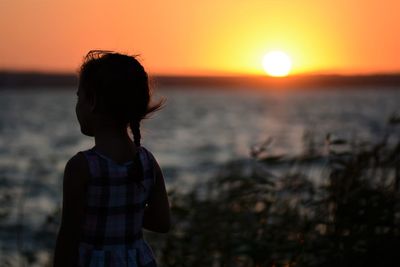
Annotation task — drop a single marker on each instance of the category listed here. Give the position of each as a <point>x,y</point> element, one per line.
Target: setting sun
<point>277,63</point>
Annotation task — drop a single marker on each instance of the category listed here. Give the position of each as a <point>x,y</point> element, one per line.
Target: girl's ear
<point>92,103</point>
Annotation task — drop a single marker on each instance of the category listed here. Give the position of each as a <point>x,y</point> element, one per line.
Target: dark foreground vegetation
<point>337,204</point>
<point>249,216</point>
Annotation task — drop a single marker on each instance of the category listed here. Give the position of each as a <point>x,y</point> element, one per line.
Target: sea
<point>197,131</point>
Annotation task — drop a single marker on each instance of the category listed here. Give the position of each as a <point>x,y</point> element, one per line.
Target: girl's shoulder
<point>76,172</point>
<point>146,153</point>
<point>77,164</point>
<point>148,160</point>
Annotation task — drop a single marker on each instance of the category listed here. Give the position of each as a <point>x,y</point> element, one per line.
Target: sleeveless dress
<point>112,226</point>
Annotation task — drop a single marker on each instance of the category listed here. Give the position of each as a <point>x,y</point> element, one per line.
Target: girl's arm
<point>76,174</point>
<point>156,214</point>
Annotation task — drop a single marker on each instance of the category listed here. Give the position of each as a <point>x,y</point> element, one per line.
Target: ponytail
<point>135,128</point>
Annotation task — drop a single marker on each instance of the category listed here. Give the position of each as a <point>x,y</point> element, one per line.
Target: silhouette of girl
<point>116,188</point>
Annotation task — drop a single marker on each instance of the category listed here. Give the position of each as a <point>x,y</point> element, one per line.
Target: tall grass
<point>270,210</point>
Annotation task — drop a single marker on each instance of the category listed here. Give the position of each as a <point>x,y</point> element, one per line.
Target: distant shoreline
<point>32,80</point>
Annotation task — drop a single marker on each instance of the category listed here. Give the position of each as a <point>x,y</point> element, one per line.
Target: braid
<point>135,128</point>
<point>138,177</point>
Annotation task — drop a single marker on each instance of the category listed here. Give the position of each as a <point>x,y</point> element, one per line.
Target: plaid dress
<point>112,227</point>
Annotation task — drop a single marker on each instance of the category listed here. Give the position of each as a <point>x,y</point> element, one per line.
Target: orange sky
<point>203,37</point>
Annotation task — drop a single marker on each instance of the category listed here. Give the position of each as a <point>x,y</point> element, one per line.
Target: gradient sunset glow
<point>203,37</point>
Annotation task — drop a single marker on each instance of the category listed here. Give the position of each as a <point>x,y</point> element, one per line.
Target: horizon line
<point>59,80</point>
<point>217,75</point>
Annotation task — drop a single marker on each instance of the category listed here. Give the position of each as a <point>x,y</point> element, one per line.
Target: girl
<point>116,188</point>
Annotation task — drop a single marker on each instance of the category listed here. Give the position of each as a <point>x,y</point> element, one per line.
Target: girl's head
<point>114,87</point>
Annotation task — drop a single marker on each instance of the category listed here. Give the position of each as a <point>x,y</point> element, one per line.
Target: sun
<point>277,63</point>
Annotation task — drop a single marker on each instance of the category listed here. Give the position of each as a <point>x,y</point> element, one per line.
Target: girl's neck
<point>115,143</point>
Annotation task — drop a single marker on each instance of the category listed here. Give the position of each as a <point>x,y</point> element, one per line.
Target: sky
<point>208,37</point>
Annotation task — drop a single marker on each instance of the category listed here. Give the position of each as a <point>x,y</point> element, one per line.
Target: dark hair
<point>120,86</point>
